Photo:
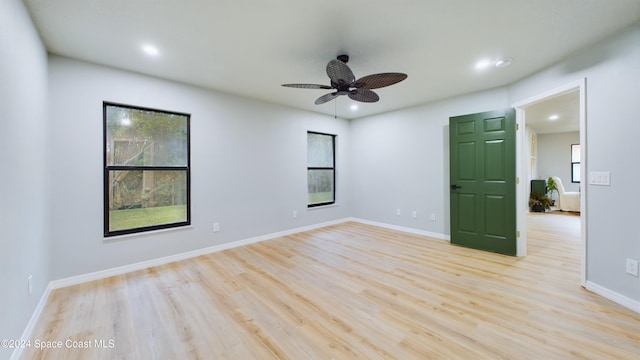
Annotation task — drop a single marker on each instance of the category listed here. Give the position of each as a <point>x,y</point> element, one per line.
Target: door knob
<point>454,187</point>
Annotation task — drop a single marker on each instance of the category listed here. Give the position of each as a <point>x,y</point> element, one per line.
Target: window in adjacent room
<point>575,163</point>
<point>146,169</point>
<point>321,171</point>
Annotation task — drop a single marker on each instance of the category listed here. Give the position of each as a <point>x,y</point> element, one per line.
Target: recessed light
<point>354,107</point>
<point>483,64</point>
<point>503,63</point>
<point>150,50</point>
<point>554,117</point>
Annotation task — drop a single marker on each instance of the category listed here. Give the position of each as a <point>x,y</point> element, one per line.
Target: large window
<point>146,169</point>
<point>321,171</point>
<point>575,163</point>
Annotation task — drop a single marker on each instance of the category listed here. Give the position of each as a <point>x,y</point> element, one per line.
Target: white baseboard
<point>26,334</point>
<point>614,296</point>
<point>79,279</point>
<point>404,229</point>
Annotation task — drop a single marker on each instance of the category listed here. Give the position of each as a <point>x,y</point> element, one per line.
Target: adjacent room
<point>335,180</point>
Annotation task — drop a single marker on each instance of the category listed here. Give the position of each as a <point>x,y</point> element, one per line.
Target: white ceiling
<point>565,106</point>
<point>251,47</point>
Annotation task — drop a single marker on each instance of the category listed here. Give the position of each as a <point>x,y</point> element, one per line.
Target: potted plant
<point>539,202</point>
<point>551,187</point>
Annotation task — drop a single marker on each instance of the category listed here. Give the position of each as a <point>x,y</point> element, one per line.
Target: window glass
<point>146,155</point>
<point>575,153</point>
<point>575,163</point>
<point>320,169</point>
<point>146,137</point>
<point>320,184</point>
<point>575,173</point>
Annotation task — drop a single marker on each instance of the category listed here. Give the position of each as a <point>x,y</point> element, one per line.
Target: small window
<point>146,169</point>
<point>321,172</point>
<point>575,163</point>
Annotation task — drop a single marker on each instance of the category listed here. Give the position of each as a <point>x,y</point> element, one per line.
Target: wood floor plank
<point>349,291</point>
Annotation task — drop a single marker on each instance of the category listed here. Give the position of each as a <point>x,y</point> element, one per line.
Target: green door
<point>482,174</point>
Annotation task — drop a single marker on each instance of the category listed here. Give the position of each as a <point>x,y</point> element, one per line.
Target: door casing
<point>522,198</point>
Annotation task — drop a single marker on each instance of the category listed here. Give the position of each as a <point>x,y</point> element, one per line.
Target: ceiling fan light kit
<point>345,83</point>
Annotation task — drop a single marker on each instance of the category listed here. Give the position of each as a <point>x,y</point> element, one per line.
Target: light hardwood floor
<point>349,291</point>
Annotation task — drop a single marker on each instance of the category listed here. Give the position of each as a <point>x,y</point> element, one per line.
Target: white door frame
<point>522,197</point>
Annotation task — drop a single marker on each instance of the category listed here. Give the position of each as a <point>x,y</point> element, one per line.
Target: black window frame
<point>333,169</point>
<point>107,168</point>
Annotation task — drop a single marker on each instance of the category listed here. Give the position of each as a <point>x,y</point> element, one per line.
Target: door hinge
<point>517,233</point>
<point>517,180</point>
<point>517,126</point>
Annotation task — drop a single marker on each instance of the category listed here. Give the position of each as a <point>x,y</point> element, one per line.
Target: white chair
<point>567,201</point>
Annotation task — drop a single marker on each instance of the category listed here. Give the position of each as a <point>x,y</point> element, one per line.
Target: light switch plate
<point>601,178</point>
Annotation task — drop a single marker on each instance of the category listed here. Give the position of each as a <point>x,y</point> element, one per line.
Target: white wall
<point>24,179</point>
<point>401,161</point>
<point>612,70</point>
<point>248,167</point>
<point>554,157</point>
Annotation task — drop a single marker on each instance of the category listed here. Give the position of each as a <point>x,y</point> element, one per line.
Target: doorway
<point>524,161</point>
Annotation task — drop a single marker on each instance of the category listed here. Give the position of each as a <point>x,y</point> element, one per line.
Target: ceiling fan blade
<point>327,97</point>
<point>364,95</point>
<point>377,81</point>
<point>308,86</point>
<point>339,73</point>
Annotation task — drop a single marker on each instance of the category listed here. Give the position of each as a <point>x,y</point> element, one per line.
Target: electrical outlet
<point>433,217</point>
<point>632,267</point>
<point>294,214</point>
<point>30,284</point>
<point>216,227</point>
<point>398,212</point>
<point>414,214</point>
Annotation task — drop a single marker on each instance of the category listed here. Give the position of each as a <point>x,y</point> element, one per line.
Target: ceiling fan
<point>345,83</point>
